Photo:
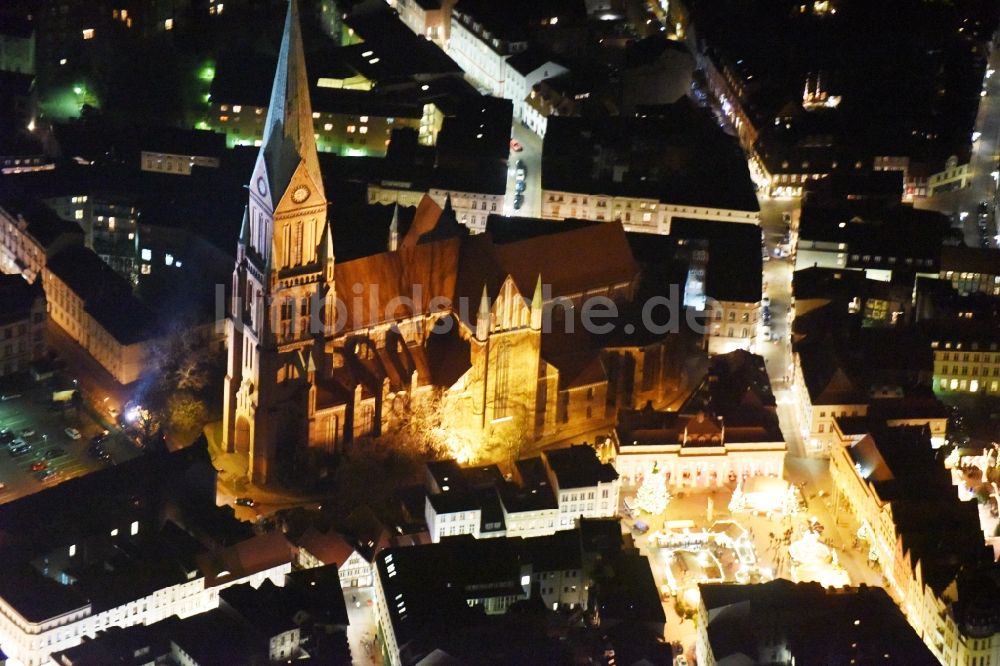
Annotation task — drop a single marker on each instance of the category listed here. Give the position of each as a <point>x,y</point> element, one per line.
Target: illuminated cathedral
<point>322,353</point>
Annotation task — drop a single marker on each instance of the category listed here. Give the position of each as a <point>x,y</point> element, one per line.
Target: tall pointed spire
<point>326,251</point>
<point>245,228</point>
<point>537,305</point>
<point>483,317</point>
<point>288,131</point>
<point>394,229</point>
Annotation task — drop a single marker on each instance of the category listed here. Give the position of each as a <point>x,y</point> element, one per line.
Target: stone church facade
<point>321,352</point>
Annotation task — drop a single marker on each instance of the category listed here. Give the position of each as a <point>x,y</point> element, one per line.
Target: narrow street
<point>984,163</point>
<point>531,155</point>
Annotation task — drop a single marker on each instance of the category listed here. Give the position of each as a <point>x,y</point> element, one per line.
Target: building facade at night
<point>321,353</point>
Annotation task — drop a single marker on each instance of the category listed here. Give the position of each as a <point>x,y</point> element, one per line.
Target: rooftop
<point>680,158</point>
<point>17,298</point>
<point>578,466</point>
<point>814,625</point>
<point>105,294</point>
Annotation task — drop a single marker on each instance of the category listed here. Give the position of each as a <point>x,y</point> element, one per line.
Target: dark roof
<point>510,21</point>
<point>579,467</point>
<point>217,638</point>
<point>535,492</point>
<point>106,295</point>
<point>962,259</point>
<point>815,625</point>
<point>936,528</point>
<point>402,54</point>
<point>136,489</point>
<point>36,597</point>
<point>530,59</point>
<point>681,157</point>
<point>317,591</point>
<point>200,143</point>
<point>16,83</point>
<point>734,259</point>
<point>42,222</point>
<point>17,298</point>
<point>116,645</point>
<point>737,389</point>
<point>505,229</point>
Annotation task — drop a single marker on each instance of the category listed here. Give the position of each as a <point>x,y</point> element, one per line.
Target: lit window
<point>135,527</point>
<point>168,259</point>
<point>88,33</point>
<point>147,254</point>
<point>114,532</point>
<point>237,108</point>
<point>364,119</point>
<point>146,269</point>
<point>131,236</point>
<point>351,129</point>
<point>111,224</point>
<point>364,129</point>
<point>78,214</point>
<point>328,126</point>
<point>218,8</point>
<point>315,115</point>
<point>72,550</point>
<point>168,24</point>
<point>223,119</point>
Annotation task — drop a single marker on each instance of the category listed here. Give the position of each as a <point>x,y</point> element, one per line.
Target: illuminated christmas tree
<point>652,496</point>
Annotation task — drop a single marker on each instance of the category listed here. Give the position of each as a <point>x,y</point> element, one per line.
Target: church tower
<point>282,300</point>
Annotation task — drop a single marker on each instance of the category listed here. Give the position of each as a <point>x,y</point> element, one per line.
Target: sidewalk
<point>233,481</point>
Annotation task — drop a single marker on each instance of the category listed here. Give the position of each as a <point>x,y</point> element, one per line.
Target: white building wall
<point>636,213</point>
<point>32,643</point>
<point>482,65</point>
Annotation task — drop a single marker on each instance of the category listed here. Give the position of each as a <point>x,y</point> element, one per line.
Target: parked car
<point>641,527</point>
<point>72,433</point>
<point>39,465</point>
<point>766,331</point>
<point>245,501</point>
<point>47,475</point>
<point>28,432</point>
<point>516,146</point>
<point>520,171</point>
<point>518,201</point>
<point>14,453</point>
<point>96,451</point>
<point>54,452</point>
<point>519,186</point>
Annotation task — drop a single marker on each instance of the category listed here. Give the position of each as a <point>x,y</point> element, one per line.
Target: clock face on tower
<point>261,185</point>
<point>300,194</point>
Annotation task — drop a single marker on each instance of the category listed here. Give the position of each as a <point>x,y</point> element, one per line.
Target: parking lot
<point>25,411</point>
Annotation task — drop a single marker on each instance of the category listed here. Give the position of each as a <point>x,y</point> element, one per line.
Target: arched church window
<point>502,394</point>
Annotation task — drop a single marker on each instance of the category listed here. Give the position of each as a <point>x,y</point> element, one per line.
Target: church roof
<point>288,131</point>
